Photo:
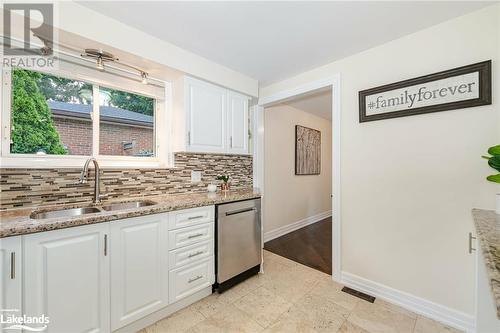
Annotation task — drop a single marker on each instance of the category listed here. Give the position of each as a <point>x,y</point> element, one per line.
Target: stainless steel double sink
<point>74,212</point>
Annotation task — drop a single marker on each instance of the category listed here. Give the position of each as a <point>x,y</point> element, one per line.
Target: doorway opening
<point>321,99</point>
<point>298,178</point>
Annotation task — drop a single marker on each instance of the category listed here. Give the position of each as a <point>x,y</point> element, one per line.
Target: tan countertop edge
<point>487,224</point>
<point>15,222</point>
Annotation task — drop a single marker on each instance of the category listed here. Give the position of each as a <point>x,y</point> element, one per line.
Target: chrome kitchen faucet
<point>97,185</point>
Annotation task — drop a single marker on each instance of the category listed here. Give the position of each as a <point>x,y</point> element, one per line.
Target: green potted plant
<point>225,182</point>
<point>494,162</point>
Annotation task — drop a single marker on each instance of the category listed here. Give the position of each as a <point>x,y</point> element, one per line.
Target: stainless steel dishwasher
<point>238,239</point>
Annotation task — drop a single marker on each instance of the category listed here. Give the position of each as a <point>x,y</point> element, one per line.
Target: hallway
<point>310,246</point>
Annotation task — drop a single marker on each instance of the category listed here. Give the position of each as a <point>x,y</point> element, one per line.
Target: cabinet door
<point>237,120</point>
<point>206,116</point>
<point>486,310</point>
<point>10,277</point>
<point>66,275</point>
<point>139,268</point>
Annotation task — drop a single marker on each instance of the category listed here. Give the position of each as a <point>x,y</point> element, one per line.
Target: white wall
<point>409,184</point>
<point>290,198</point>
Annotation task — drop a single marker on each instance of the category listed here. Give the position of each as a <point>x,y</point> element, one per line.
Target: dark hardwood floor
<point>310,246</point>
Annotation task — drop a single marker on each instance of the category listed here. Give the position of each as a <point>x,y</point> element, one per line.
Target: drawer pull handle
<point>196,217</point>
<point>195,254</point>
<point>105,245</point>
<point>195,278</point>
<point>194,236</point>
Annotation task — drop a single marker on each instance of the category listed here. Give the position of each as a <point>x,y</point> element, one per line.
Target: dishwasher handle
<point>239,211</point>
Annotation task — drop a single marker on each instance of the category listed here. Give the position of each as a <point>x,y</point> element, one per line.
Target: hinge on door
<point>105,245</point>
<point>230,142</point>
<point>189,138</point>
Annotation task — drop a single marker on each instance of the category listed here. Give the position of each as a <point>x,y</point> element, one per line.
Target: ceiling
<point>271,41</point>
<point>319,103</point>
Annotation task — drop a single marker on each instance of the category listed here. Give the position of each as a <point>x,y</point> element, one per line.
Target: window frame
<point>161,129</point>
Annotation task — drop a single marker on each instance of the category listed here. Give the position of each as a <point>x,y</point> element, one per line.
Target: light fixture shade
<point>144,77</point>
<point>100,64</point>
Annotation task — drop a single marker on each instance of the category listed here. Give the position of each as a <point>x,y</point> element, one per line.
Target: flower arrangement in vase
<point>225,182</point>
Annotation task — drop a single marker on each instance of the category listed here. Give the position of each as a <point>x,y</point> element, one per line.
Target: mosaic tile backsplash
<point>38,187</point>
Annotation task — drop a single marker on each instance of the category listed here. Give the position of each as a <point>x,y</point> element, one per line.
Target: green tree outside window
<point>33,129</point>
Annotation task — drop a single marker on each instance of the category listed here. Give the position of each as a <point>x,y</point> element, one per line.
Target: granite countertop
<point>18,222</point>
<point>488,232</point>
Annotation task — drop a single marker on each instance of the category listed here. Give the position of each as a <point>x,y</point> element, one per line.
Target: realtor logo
<point>9,320</point>
<point>45,28</point>
<point>28,35</point>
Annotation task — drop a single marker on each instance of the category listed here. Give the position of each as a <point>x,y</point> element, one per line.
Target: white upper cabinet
<point>10,276</point>
<point>66,274</point>
<point>139,268</point>
<point>206,116</point>
<point>237,123</point>
<point>216,118</point>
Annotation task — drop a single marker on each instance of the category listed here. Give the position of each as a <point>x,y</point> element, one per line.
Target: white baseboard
<point>295,225</point>
<point>441,313</point>
<point>152,318</point>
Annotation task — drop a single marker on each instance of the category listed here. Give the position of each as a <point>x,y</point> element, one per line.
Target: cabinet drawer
<point>189,217</point>
<point>190,279</point>
<point>187,236</point>
<point>188,254</point>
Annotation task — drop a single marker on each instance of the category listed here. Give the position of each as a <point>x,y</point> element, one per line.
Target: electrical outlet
<point>195,176</point>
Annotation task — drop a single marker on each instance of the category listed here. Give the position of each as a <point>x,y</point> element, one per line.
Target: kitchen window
<point>126,123</point>
<point>60,119</point>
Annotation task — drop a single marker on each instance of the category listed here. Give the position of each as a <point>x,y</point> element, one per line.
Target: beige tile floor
<point>291,297</point>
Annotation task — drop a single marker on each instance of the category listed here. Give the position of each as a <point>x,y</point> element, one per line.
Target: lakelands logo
<point>28,35</point>
<point>453,89</point>
<point>11,320</point>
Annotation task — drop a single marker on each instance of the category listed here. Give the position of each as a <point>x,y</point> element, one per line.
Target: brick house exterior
<point>122,132</point>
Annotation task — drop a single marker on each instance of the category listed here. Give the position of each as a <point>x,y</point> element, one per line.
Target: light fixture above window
<point>99,64</point>
<point>144,78</point>
<point>101,57</point>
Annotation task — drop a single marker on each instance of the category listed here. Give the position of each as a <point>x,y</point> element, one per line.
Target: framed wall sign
<point>307,151</point>
<point>457,88</point>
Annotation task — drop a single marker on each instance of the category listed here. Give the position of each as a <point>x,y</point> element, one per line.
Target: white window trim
<point>162,132</point>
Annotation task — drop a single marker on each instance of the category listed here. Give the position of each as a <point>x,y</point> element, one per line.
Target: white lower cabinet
<point>187,280</point>
<point>139,268</point>
<point>10,277</point>
<point>66,275</point>
<point>487,320</point>
<point>109,276</point>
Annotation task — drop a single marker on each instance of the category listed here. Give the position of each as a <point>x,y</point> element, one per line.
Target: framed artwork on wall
<point>457,88</point>
<point>307,151</point>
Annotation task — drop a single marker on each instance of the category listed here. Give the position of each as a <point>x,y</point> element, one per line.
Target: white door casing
<point>334,82</point>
